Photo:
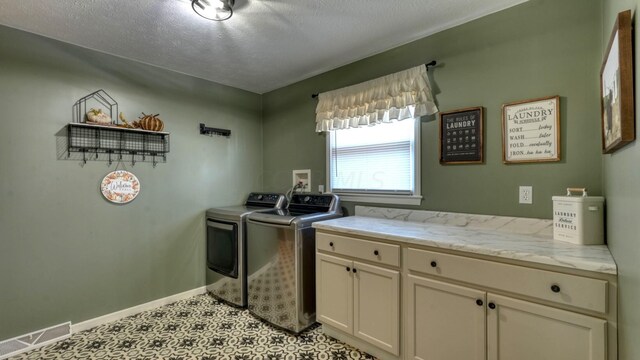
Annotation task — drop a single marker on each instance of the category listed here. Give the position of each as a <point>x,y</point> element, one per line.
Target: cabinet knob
<point>331,244</point>
<point>348,268</point>
<point>376,252</point>
<point>479,302</point>
<point>354,270</point>
<point>434,264</point>
<point>555,288</point>
<point>492,305</point>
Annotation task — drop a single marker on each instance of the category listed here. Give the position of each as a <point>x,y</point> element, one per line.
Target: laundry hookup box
<point>578,219</point>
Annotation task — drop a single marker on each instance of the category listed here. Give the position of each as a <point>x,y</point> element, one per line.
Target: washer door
<point>222,247</point>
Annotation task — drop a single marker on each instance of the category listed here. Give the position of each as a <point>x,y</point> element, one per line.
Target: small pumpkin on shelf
<point>151,122</point>
<point>96,116</point>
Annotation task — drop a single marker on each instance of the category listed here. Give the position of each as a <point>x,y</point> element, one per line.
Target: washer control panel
<point>312,200</point>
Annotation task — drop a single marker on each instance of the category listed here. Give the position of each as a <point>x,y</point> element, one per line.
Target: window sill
<point>381,198</point>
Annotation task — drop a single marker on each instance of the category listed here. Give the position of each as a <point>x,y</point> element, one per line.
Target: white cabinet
<point>376,308</point>
<point>576,291</point>
<point>456,306</point>
<point>334,294</point>
<point>447,321</point>
<point>444,321</point>
<point>359,299</point>
<point>523,330</point>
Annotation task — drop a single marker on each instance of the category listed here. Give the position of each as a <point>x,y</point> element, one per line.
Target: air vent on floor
<point>34,340</point>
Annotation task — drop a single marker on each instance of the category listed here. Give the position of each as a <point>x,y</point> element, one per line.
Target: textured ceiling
<point>267,44</point>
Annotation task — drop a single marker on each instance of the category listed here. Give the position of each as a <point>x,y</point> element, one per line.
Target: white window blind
<point>377,159</point>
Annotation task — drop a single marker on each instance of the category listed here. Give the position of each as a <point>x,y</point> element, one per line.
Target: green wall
<point>539,48</point>
<point>622,190</point>
<point>65,252</point>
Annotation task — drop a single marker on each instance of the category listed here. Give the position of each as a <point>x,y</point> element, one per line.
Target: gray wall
<point>65,252</point>
<point>622,191</point>
<point>536,49</point>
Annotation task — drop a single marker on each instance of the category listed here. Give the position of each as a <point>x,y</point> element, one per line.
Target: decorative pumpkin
<point>151,122</point>
<point>98,117</point>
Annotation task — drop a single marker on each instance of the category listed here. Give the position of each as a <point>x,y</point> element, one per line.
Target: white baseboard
<point>105,319</point>
<point>34,340</point>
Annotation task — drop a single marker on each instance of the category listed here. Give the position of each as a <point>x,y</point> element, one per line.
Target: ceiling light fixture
<point>217,10</point>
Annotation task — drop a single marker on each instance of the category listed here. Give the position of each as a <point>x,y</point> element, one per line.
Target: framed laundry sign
<point>461,136</point>
<point>531,130</point>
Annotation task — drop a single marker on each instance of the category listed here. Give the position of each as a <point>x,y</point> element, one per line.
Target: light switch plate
<point>526,195</point>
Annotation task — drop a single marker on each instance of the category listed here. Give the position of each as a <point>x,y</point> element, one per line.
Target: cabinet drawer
<point>572,290</point>
<point>372,251</point>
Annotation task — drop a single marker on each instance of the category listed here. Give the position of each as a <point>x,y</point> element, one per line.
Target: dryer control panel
<point>266,200</point>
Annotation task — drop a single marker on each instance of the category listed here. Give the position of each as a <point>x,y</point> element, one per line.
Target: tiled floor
<point>197,328</point>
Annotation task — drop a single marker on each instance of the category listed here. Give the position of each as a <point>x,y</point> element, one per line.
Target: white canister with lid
<point>578,219</point>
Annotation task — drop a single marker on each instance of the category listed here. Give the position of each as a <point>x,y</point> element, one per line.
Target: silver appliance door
<point>222,247</point>
<point>280,275</point>
<point>225,261</point>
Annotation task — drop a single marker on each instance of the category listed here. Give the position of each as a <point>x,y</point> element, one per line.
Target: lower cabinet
<point>448,321</point>
<point>376,306</point>
<point>359,299</point>
<point>334,292</point>
<point>458,307</point>
<point>518,329</point>
<point>444,321</point>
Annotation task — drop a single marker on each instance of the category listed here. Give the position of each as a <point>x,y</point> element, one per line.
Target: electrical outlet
<point>526,195</point>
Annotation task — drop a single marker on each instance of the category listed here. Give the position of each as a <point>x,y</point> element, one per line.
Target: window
<point>369,158</point>
<point>376,164</point>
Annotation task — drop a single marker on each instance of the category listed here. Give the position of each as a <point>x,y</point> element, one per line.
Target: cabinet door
<point>522,330</point>
<point>376,306</point>
<point>444,321</point>
<point>334,292</point>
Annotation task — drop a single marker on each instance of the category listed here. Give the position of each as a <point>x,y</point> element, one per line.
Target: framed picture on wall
<point>461,136</point>
<point>616,87</point>
<point>531,130</point>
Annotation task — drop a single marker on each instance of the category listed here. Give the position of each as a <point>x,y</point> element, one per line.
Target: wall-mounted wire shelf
<point>150,146</point>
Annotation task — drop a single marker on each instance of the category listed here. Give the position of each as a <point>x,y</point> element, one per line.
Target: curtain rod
<point>427,65</point>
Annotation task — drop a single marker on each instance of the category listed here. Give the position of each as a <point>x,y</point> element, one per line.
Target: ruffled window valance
<point>402,95</point>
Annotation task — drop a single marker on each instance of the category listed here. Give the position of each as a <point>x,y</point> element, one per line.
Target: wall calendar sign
<point>531,130</point>
<point>120,187</point>
<point>461,136</point>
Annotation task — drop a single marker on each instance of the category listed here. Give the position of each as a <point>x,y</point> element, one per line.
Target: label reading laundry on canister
<point>565,220</point>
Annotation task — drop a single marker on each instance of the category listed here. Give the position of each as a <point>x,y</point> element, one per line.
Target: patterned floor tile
<point>201,328</point>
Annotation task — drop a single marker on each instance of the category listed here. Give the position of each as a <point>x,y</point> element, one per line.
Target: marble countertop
<point>538,247</point>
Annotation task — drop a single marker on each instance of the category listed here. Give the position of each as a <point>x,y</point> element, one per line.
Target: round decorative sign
<point>120,187</point>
